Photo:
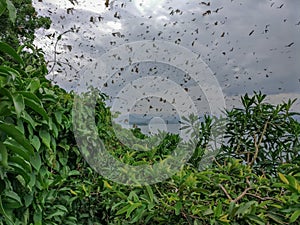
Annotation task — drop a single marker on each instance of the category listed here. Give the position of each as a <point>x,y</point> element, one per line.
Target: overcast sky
<point>248,44</point>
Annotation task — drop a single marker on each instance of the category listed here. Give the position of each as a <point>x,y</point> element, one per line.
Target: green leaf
<point>18,103</point>
<point>15,199</point>
<point>10,51</point>
<point>218,210</point>
<point>131,208</point>
<point>295,216</point>
<point>58,116</point>
<point>138,214</point>
<point>17,169</point>
<point>11,131</point>
<point>74,173</point>
<point>3,154</point>
<point>35,161</point>
<point>283,178</point>
<point>46,137</point>
<point>6,92</point>
<point>123,210</point>
<point>178,207</point>
<point>293,183</point>
<point>34,84</point>
<point>57,213</point>
<point>275,218</point>
<point>3,212</point>
<point>27,118</point>
<point>28,199</point>
<point>16,160</point>
<point>35,141</point>
<point>208,212</point>
<point>244,207</point>
<point>150,192</point>
<point>38,217</point>
<point>12,12</point>
<point>36,107</point>
<point>16,148</point>
<point>2,7</point>
<point>31,96</point>
<point>256,219</point>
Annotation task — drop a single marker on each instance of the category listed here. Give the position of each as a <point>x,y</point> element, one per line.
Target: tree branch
<point>256,145</point>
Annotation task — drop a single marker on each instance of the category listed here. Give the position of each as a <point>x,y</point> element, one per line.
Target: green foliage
<point>226,194</point>
<point>39,159</point>
<point>262,135</point>
<point>18,21</point>
<point>9,6</point>
<point>44,179</point>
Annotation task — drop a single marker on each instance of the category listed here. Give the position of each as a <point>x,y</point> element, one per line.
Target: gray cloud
<point>245,43</point>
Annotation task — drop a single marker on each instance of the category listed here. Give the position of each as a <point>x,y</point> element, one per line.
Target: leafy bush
<point>19,28</point>
<point>262,135</point>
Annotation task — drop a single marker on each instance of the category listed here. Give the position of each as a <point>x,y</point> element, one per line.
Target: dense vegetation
<point>255,178</point>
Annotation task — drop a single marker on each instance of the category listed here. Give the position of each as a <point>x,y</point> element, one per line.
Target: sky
<point>244,46</point>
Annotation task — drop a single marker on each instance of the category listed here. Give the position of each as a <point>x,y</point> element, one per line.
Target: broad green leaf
<point>36,107</point>
<point>38,217</point>
<point>35,141</point>
<point>5,70</point>
<point>34,85</point>
<point>2,7</point>
<point>21,163</point>
<point>35,161</point>
<point>283,178</point>
<point>31,96</point>
<point>293,182</point>
<point>17,148</point>
<point>3,212</point>
<point>15,197</point>
<point>19,104</point>
<point>58,116</point>
<point>17,169</point>
<point>12,12</point>
<point>3,155</point>
<point>46,137</point>
<point>27,118</point>
<point>11,131</point>
<point>295,216</point>
<point>10,51</point>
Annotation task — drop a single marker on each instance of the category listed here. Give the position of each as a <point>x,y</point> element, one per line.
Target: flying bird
<point>289,45</point>
<point>280,6</point>
<point>251,32</point>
